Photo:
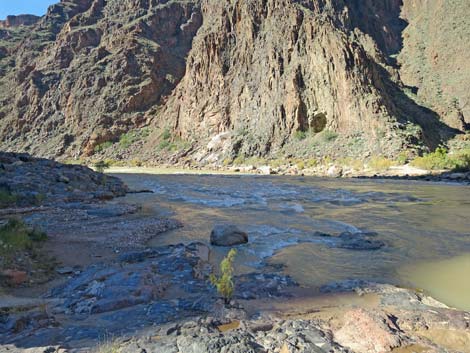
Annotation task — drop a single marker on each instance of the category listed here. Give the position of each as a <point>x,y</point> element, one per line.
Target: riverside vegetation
<point>224,282</point>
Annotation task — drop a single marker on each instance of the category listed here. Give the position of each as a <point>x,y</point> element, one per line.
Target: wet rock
<point>354,241</point>
<point>262,285</point>
<point>228,235</point>
<point>359,241</point>
<point>457,176</point>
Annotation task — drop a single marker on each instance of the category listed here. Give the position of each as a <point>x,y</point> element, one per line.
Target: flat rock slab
<point>140,289</point>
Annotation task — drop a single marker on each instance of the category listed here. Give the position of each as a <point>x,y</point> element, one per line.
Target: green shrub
<point>101,166</point>
<point>353,163</point>
<point>102,146</point>
<point>278,162</point>
<point>328,135</point>
<point>131,137</point>
<point>224,282</point>
<point>126,140</point>
<point>439,159</point>
<point>136,163</point>
<point>380,163</point>
<point>300,164</point>
<point>402,158</point>
<point>311,163</point>
<point>462,161</point>
<point>300,135</point>
<point>239,160</point>
<point>39,198</point>
<point>163,145</point>
<point>7,198</point>
<point>16,235</point>
<point>256,161</point>
<point>166,135</point>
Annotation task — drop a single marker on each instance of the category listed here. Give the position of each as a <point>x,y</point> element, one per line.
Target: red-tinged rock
<point>366,332</point>
<point>14,277</point>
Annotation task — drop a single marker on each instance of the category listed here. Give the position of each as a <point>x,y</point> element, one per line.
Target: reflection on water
<point>447,280</point>
<point>418,221</point>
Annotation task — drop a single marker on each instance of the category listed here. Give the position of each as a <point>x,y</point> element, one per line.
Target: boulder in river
<point>228,235</point>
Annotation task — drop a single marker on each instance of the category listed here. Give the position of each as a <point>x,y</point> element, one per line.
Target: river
<point>425,226</point>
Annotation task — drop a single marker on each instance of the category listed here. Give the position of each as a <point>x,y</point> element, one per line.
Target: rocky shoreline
<point>129,305</point>
<point>106,290</point>
<point>396,173</point>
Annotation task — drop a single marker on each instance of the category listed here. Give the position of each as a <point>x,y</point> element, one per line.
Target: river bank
<point>404,172</point>
<point>131,273</point>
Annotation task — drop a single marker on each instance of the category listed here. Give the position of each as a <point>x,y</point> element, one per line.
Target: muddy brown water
<point>426,226</point>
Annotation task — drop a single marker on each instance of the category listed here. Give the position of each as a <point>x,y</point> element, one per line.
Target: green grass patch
<point>380,163</point>
<point>131,137</point>
<point>7,198</point>
<point>16,235</point>
<point>102,146</point>
<point>300,135</point>
<point>328,135</point>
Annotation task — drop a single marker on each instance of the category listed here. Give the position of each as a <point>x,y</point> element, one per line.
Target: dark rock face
<point>20,20</point>
<point>228,235</point>
<point>118,58</point>
<point>253,72</point>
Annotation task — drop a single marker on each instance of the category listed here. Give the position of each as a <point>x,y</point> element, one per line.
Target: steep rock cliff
<point>216,79</point>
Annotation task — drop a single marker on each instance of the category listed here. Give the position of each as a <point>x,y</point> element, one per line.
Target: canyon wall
<point>216,79</point>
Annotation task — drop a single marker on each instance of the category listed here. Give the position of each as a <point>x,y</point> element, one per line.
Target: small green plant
<point>300,164</point>
<point>256,161</point>
<point>462,161</point>
<point>166,135</point>
<point>39,198</point>
<point>109,344</point>
<point>311,163</point>
<point>102,146</point>
<point>380,163</point>
<point>131,137</point>
<point>300,135</point>
<point>7,198</point>
<point>100,166</point>
<point>402,158</point>
<point>439,159</point>
<point>224,282</point>
<point>239,160</point>
<point>328,135</point>
<point>16,235</point>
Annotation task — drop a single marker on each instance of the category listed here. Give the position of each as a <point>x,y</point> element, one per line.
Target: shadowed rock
<point>228,235</point>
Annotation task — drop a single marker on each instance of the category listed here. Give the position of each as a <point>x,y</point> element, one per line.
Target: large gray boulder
<point>228,235</point>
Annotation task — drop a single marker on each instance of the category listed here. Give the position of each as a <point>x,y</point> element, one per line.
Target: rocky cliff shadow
<point>382,21</point>
<point>434,131</point>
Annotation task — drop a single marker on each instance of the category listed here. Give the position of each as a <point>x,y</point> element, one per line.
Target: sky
<point>17,7</point>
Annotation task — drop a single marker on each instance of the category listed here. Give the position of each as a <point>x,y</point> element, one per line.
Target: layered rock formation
<point>20,20</point>
<point>217,79</point>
